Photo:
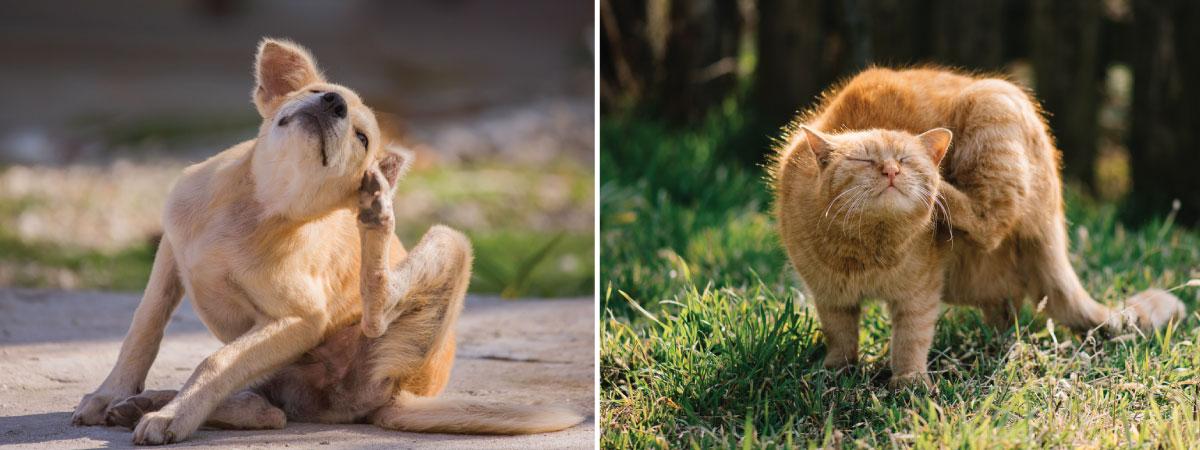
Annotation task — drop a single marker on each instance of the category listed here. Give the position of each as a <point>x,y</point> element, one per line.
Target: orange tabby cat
<point>858,193</point>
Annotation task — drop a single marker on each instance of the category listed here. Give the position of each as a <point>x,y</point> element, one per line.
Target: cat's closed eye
<point>862,160</point>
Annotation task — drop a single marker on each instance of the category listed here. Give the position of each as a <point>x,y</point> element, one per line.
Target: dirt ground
<point>56,346</point>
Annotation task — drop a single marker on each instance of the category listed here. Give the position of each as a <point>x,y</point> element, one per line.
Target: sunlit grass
<point>707,339</point>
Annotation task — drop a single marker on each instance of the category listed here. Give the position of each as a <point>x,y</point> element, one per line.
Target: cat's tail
<point>1152,309</point>
<point>409,412</point>
<point>1068,303</point>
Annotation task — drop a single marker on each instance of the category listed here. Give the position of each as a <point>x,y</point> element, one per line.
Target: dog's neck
<point>288,193</point>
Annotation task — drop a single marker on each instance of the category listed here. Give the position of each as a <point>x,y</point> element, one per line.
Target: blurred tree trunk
<point>794,63</point>
<point>968,33</point>
<point>626,67</point>
<point>700,58</point>
<point>1164,138</point>
<point>1065,49</point>
<point>899,32</point>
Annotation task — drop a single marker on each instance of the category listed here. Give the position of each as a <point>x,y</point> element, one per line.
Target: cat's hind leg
<point>990,171</point>
<point>1000,315</point>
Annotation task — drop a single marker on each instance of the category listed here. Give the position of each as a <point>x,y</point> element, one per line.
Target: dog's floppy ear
<point>281,67</point>
<point>395,163</point>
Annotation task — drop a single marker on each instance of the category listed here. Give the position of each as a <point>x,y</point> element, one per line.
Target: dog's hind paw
<point>128,412</point>
<point>374,200</point>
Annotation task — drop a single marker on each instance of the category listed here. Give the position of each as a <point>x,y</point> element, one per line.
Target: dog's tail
<point>408,412</point>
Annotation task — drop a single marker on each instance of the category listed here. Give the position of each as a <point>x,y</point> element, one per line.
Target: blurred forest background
<point>1118,78</point>
<point>106,102</point>
<point>707,337</point>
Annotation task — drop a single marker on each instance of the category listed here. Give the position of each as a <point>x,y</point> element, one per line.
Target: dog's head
<point>317,138</point>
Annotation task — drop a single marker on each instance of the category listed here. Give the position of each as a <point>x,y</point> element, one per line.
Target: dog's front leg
<point>253,355</point>
<point>128,376</point>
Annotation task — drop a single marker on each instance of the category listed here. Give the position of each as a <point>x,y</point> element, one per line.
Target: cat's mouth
<point>890,188</point>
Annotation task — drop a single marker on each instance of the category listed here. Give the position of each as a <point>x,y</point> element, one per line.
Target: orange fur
<point>998,196</point>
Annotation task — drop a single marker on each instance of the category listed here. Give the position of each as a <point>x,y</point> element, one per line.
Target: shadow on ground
<point>57,346</point>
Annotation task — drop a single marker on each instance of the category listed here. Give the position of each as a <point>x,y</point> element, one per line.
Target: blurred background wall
<point>1118,78</point>
<point>105,102</point>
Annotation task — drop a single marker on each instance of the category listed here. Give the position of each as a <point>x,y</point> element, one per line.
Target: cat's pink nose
<point>890,171</point>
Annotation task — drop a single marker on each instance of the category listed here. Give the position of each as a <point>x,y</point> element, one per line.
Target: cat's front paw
<point>910,380</point>
<point>834,361</point>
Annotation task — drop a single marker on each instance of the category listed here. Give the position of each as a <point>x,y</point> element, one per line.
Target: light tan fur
<point>263,238</point>
<point>987,229</point>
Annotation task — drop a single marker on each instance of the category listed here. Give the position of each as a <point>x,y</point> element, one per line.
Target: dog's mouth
<point>313,123</point>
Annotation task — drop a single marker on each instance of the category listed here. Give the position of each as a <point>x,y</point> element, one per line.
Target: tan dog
<point>262,238</point>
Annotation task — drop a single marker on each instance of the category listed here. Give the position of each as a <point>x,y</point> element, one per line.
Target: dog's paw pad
<point>374,204</point>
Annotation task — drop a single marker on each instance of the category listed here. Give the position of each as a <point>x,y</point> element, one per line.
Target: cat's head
<point>878,173</point>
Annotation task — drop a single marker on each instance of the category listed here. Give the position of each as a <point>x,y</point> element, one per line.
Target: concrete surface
<point>57,346</point>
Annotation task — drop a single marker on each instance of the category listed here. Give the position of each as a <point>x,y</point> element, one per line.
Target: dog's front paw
<point>93,407</point>
<point>375,201</point>
<point>161,427</point>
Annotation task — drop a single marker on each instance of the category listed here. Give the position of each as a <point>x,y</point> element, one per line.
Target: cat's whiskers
<point>847,191</point>
<point>856,190</point>
<point>859,201</point>
<point>937,200</point>
<point>930,201</point>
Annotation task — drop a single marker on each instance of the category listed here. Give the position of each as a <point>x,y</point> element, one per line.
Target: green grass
<point>531,228</point>
<point>708,341</point>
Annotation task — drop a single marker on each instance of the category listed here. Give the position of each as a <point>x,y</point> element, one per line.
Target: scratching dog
<point>286,246</point>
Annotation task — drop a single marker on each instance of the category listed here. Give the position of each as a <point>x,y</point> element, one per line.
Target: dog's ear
<point>395,163</point>
<point>280,68</point>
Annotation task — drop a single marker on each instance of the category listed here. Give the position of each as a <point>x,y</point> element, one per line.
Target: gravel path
<point>56,346</point>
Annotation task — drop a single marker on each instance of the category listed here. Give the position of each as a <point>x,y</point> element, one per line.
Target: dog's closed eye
<point>362,138</point>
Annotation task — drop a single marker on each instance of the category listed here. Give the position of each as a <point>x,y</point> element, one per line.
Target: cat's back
<point>913,100</point>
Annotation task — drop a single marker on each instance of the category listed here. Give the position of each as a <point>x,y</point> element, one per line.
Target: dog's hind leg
<point>244,410</point>
<point>414,307</point>
<point>376,230</point>
<point>417,347</point>
<point>420,299</point>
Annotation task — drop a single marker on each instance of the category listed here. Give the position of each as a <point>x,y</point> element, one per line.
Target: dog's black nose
<point>335,103</point>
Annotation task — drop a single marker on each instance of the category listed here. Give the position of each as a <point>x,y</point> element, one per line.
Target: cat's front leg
<point>913,323</point>
<point>839,323</point>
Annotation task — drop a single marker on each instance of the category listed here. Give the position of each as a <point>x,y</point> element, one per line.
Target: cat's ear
<point>818,143</point>
<point>936,142</point>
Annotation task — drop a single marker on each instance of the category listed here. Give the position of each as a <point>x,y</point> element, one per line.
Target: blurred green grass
<point>531,228</point>
<point>708,341</point>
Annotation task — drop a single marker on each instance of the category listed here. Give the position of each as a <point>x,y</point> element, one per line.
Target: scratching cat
<point>873,201</point>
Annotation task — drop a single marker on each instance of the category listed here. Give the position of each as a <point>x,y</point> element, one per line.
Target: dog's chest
<point>222,304</point>
<point>238,283</point>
